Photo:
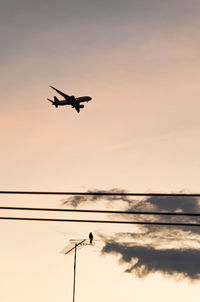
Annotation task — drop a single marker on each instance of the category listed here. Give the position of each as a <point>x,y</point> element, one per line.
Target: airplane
<point>69,100</point>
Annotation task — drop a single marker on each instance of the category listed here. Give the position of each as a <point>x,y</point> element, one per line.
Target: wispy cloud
<point>86,199</point>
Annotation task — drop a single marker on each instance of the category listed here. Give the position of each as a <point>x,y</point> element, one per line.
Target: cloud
<point>172,251</point>
<point>85,199</point>
<point>176,262</point>
<point>187,204</point>
<point>175,203</point>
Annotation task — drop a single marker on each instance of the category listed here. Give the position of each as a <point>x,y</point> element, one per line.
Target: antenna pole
<point>75,250</point>
<point>74,287</point>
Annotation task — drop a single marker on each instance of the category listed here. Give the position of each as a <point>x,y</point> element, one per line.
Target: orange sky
<point>139,61</point>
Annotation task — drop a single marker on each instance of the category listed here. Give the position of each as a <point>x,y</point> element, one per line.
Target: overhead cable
<point>101,193</point>
<point>100,211</point>
<point>101,221</point>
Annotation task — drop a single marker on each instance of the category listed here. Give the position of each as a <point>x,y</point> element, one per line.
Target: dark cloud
<point>172,204</point>
<point>173,251</point>
<point>85,199</point>
<point>176,262</point>
<point>166,203</point>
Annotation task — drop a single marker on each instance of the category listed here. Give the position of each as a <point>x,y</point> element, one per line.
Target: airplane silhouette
<point>69,100</point>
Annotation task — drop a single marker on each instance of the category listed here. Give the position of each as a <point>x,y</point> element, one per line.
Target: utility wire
<point>101,193</point>
<point>100,211</point>
<point>101,221</point>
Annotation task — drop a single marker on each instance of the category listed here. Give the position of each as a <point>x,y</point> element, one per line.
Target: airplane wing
<point>61,93</point>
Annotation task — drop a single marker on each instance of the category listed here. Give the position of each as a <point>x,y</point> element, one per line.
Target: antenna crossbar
<point>75,246</point>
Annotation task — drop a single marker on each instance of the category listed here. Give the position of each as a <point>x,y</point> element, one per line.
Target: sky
<point>139,61</point>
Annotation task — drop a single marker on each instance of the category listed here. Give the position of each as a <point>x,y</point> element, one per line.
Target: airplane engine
<point>81,106</point>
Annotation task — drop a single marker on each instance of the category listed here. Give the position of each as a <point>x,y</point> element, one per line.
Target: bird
<point>91,237</point>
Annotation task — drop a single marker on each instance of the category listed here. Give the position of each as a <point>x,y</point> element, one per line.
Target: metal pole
<point>75,251</point>
<point>74,287</point>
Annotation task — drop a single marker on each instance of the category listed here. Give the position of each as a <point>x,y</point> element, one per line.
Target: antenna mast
<point>75,251</point>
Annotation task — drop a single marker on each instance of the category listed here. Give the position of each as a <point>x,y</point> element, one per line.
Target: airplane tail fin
<point>55,102</point>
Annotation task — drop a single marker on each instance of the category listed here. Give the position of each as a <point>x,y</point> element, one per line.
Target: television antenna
<point>72,247</point>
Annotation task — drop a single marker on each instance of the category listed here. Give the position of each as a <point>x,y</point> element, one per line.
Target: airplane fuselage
<point>74,101</point>
<point>84,99</point>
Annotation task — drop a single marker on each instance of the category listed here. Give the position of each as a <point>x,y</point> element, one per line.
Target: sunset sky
<point>139,60</point>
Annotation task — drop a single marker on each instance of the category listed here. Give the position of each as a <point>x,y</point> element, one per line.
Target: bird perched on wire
<point>91,237</point>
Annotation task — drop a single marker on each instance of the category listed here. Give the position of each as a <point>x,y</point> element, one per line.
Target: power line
<point>100,211</point>
<point>101,193</point>
<point>101,221</point>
